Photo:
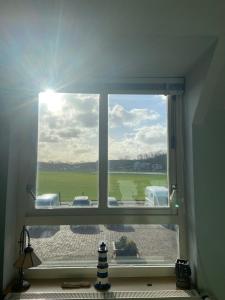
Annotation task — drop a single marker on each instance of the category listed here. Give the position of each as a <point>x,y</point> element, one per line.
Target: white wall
<point>11,245</point>
<point>4,138</point>
<point>9,197</point>
<point>195,81</point>
<point>204,169</point>
<point>15,120</point>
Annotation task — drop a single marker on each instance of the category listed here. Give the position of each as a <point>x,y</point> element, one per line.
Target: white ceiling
<point>63,41</point>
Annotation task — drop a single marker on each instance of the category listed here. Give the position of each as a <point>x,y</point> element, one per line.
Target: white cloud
<point>69,150</point>
<point>156,134</point>
<point>149,139</point>
<point>119,116</point>
<point>71,133</point>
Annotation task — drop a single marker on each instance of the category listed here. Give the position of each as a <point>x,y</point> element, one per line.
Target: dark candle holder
<point>183,274</point>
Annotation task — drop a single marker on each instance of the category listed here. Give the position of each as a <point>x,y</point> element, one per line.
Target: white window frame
<point>119,215</point>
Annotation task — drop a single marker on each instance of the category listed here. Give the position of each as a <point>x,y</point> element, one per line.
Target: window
<point>110,157</point>
<point>68,150</point>
<point>76,245</point>
<point>138,150</point>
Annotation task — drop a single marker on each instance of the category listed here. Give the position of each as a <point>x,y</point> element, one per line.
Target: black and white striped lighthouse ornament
<point>102,282</point>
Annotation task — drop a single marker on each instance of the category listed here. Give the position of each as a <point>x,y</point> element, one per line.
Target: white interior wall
<point>204,170</point>
<point>11,245</point>
<point>194,84</point>
<point>9,235</point>
<point>4,137</point>
<point>16,139</point>
<point>209,146</point>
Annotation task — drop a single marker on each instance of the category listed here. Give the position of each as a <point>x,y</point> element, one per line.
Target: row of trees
<point>156,162</point>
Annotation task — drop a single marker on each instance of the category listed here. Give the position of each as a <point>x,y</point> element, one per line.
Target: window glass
<point>68,245</point>
<point>137,150</point>
<point>67,150</point>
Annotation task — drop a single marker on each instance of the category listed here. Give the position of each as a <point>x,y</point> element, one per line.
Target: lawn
<point>122,186</point>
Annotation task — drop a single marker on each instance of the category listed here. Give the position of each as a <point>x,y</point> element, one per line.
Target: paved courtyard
<point>77,245</point>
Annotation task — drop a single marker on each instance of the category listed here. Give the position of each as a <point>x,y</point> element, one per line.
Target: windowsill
<point>120,271</point>
<point>124,288</point>
<point>121,284</point>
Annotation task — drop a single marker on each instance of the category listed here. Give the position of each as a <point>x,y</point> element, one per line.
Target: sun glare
<point>52,100</point>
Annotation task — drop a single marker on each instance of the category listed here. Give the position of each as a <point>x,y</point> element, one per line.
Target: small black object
<point>183,274</point>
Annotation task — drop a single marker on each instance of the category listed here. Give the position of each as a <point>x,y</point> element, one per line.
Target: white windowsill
<point>121,284</point>
<point>115,272</point>
<point>123,288</point>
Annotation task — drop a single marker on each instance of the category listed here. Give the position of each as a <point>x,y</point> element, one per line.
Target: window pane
<point>138,150</point>
<point>67,150</point>
<point>76,245</point>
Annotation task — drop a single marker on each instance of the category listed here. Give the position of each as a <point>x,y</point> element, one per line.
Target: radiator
<point>156,295</point>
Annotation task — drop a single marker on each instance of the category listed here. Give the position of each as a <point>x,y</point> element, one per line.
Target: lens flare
<point>52,100</point>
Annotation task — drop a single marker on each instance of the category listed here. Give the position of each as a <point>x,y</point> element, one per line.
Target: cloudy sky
<point>68,126</point>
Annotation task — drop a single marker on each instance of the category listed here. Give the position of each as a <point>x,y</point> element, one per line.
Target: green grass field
<point>123,186</point>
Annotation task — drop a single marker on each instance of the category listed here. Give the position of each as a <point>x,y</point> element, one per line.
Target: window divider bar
<point>103,219</point>
<point>96,212</point>
<point>103,150</point>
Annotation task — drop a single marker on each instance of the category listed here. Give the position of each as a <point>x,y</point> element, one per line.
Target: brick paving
<point>75,245</point>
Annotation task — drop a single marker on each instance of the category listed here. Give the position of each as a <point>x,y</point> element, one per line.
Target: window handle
<point>29,190</point>
<point>173,196</point>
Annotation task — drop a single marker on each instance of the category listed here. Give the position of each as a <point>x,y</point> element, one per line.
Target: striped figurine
<point>102,282</point>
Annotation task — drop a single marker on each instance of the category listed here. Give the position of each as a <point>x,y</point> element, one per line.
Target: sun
<point>52,100</point>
